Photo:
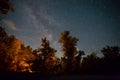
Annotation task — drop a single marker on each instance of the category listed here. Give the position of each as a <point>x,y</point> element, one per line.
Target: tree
<point>3,34</point>
<point>69,44</point>
<point>5,7</point>
<point>45,48</point>
<point>18,56</point>
<point>9,46</point>
<point>46,59</point>
<point>3,50</point>
<point>90,63</point>
<point>3,38</point>
<point>111,52</point>
<point>111,58</point>
<point>13,47</point>
<point>78,60</point>
<point>24,59</point>
<point>13,54</point>
<point>50,62</point>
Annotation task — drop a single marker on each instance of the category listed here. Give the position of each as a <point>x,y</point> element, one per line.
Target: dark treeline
<point>18,59</point>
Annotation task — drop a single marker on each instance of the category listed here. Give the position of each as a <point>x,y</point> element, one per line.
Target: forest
<point>18,59</point>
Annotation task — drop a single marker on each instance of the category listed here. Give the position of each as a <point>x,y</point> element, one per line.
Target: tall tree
<point>69,44</point>
<point>45,57</point>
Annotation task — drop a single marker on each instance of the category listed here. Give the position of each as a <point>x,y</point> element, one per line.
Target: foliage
<point>16,57</point>
<point>45,57</point>
<point>69,44</point>
<point>13,52</point>
<point>79,60</point>
<point>111,52</point>
<point>5,6</point>
<point>90,62</point>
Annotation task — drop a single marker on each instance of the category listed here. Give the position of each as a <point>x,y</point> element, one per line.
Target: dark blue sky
<point>96,23</point>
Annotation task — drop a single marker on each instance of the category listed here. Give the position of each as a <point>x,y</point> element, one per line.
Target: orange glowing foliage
<point>16,56</point>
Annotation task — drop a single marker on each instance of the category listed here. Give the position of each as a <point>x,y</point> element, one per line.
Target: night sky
<point>96,23</point>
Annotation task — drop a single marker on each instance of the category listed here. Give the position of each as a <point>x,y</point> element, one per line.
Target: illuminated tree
<point>9,47</point>
<point>14,56</point>
<point>69,44</point>
<point>17,55</point>
<point>24,59</point>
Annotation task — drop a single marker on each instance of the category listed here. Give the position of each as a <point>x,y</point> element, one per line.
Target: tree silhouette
<point>78,60</point>
<point>3,49</point>
<point>45,57</point>
<point>5,7</point>
<point>111,58</point>
<point>69,44</point>
<point>3,34</point>
<point>110,52</point>
<point>90,63</point>
<point>3,38</point>
<point>16,57</point>
<point>50,62</point>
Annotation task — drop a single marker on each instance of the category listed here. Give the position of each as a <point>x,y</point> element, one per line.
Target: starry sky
<point>96,23</point>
